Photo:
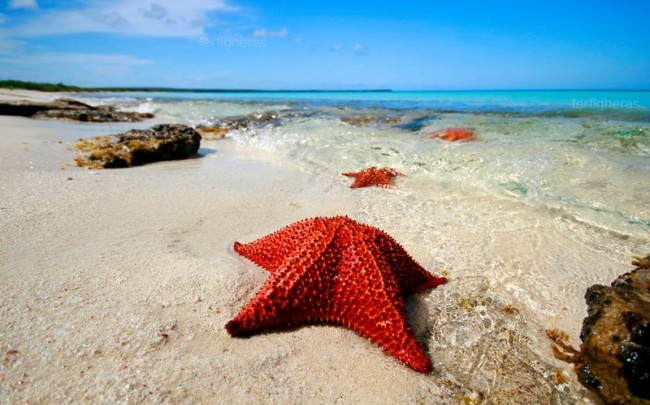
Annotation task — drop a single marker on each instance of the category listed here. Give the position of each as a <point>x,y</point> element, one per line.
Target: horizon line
<point>387,90</point>
<point>19,84</point>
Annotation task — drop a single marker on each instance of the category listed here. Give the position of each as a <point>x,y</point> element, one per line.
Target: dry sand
<point>30,95</point>
<point>116,285</point>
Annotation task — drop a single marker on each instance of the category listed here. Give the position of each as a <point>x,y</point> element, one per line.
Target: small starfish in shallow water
<point>454,134</point>
<point>373,176</point>
<point>336,270</point>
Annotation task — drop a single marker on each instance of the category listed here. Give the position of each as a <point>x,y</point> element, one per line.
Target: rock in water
<point>417,123</point>
<point>614,358</point>
<point>138,147</point>
<point>239,122</point>
<point>370,120</point>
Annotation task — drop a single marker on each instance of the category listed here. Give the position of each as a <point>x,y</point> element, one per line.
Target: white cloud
<point>359,49</point>
<point>23,4</point>
<point>159,18</point>
<point>264,33</point>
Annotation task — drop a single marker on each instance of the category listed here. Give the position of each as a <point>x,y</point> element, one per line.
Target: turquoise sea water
<point>632,104</point>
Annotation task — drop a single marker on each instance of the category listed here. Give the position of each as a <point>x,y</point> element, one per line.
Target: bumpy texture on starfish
<point>336,270</point>
<point>373,176</point>
<point>454,134</point>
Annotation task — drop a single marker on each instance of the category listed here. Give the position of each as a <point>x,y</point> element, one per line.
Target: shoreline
<point>118,284</point>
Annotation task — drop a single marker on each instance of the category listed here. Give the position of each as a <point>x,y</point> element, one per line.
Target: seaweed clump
<point>614,357</point>
<point>138,147</point>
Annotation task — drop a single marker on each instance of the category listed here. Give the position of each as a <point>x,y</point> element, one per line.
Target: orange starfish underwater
<point>373,176</point>
<point>454,134</point>
<point>338,271</point>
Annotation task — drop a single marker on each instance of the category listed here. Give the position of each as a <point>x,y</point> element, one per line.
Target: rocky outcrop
<point>239,122</point>
<point>220,127</point>
<point>411,123</point>
<point>614,357</point>
<point>68,109</point>
<point>370,120</point>
<point>138,147</point>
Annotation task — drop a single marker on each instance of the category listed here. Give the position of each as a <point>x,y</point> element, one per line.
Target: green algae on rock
<point>138,147</point>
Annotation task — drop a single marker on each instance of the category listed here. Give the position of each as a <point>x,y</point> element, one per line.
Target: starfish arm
<point>374,306</point>
<point>298,292</point>
<point>270,308</point>
<point>299,282</point>
<point>307,236</point>
<point>350,174</point>
<point>411,277</point>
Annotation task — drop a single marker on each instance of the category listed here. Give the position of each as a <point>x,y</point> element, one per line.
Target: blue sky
<point>461,44</point>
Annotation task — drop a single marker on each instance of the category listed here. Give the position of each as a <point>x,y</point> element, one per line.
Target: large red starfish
<point>336,270</point>
<point>373,176</point>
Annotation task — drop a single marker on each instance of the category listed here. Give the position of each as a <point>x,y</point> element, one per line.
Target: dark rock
<point>138,147</point>
<point>614,357</point>
<point>412,123</point>
<point>23,108</point>
<point>69,109</point>
<point>240,122</point>
<point>218,128</point>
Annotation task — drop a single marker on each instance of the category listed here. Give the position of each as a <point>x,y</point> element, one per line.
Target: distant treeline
<point>18,84</point>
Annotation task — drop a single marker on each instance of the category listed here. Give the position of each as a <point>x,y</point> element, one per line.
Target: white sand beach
<point>117,284</point>
<point>29,95</point>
